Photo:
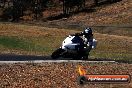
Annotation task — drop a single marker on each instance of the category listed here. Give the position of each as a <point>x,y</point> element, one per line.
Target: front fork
<point>86,52</point>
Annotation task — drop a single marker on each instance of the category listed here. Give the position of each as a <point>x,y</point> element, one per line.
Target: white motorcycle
<point>70,47</point>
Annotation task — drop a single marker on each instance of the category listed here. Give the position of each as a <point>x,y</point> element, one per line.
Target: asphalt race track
<point>10,58</point>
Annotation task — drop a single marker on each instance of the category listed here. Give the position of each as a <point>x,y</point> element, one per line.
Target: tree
<point>69,4</point>
<point>96,2</point>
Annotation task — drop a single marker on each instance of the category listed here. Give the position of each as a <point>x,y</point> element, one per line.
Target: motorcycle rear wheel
<point>57,53</point>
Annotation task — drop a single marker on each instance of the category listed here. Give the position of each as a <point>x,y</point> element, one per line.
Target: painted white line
<point>56,61</point>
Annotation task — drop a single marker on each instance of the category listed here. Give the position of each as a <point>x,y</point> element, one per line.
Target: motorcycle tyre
<point>57,53</point>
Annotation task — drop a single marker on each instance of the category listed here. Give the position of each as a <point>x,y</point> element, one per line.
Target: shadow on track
<point>11,57</point>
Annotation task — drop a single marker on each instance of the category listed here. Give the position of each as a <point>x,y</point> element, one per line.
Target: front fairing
<point>69,43</point>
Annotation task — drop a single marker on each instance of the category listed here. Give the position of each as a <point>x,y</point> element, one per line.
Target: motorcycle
<point>71,46</point>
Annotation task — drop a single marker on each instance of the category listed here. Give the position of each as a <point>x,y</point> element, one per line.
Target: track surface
<point>7,58</point>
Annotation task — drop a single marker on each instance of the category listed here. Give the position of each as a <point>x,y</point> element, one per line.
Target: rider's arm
<point>79,34</point>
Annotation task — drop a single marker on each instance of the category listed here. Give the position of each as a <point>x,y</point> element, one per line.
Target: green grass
<point>111,55</point>
<point>46,45</point>
<point>19,43</point>
<point>14,42</point>
<point>113,48</point>
<point>114,31</point>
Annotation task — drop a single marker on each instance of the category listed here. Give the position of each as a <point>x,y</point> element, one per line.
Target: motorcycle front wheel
<point>57,53</point>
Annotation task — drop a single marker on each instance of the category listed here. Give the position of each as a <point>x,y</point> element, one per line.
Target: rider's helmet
<point>88,31</point>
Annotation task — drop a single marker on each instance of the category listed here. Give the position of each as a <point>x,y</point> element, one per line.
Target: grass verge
<point>21,39</point>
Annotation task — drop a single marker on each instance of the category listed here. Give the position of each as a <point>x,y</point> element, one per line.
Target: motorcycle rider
<point>88,40</point>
